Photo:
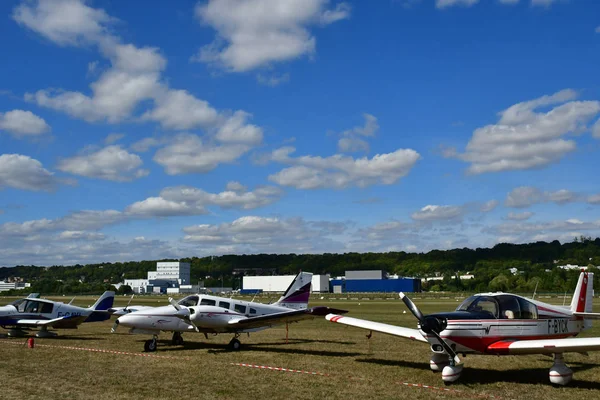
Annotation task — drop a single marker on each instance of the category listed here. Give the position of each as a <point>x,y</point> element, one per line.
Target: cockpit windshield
<point>189,301</point>
<point>17,302</point>
<point>480,304</point>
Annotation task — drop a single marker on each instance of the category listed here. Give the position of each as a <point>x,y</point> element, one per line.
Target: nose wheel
<point>150,345</point>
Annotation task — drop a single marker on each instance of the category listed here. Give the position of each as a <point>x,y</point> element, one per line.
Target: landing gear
<point>560,374</point>
<point>16,332</point>
<point>44,333</point>
<point>177,339</point>
<point>451,373</point>
<point>150,345</point>
<point>438,362</point>
<point>235,344</point>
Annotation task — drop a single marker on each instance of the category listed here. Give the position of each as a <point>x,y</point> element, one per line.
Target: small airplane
<point>33,312</point>
<point>212,314</point>
<point>499,324</point>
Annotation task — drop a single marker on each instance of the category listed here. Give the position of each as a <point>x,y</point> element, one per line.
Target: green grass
<point>357,368</point>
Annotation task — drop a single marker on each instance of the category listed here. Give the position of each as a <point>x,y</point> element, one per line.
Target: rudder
<point>297,294</point>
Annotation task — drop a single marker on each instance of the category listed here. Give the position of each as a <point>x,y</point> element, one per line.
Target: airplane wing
<point>61,322</point>
<point>282,317</point>
<point>394,330</point>
<point>545,346</point>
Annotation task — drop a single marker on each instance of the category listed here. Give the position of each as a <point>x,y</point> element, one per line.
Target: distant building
<point>573,267</point>
<point>168,275</point>
<point>374,281</point>
<point>6,286</point>
<point>280,283</point>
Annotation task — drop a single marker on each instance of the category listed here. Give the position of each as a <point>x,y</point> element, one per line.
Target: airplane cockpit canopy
<point>188,301</point>
<point>504,306</point>
<point>32,306</point>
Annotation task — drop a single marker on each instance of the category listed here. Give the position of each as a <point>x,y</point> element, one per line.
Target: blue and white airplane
<point>33,312</point>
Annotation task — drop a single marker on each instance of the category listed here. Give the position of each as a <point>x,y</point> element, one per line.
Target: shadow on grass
<point>526,376</point>
<point>397,363</point>
<point>218,348</point>
<point>477,376</point>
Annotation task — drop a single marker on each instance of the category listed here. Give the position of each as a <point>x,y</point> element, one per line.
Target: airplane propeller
<point>430,325</point>
<point>183,313</point>
<point>116,324</point>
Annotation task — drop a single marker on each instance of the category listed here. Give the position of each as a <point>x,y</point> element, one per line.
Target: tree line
<point>535,265</point>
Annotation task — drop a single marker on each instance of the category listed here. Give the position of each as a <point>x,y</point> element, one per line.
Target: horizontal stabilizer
<point>587,315</point>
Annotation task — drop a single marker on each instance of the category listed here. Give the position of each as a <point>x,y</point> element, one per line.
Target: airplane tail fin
<point>297,294</point>
<point>100,311</point>
<point>104,302</point>
<point>584,293</point>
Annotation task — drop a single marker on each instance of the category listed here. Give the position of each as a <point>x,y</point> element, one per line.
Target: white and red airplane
<point>212,314</point>
<point>499,324</point>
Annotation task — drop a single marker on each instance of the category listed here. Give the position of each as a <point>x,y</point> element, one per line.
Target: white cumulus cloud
<point>22,123</point>
<point>111,163</point>
<point>256,33</point>
<point>338,171</point>
<point>22,172</point>
<point>525,138</point>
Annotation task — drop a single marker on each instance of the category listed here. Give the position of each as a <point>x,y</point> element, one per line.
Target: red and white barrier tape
<point>265,367</point>
<point>124,353</point>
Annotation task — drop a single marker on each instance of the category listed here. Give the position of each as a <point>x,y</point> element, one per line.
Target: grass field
<point>355,367</point>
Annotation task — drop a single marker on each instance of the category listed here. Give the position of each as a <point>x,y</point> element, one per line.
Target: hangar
<point>279,283</point>
<point>373,281</point>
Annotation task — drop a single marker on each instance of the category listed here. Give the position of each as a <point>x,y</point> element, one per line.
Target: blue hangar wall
<point>378,285</point>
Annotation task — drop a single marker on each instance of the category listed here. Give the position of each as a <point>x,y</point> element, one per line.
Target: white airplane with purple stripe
<point>499,324</point>
<point>212,314</point>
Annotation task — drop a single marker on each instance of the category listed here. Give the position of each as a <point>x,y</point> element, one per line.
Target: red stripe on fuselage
<point>496,344</point>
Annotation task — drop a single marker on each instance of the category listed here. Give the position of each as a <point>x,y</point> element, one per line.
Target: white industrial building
<point>280,283</point>
<point>168,275</point>
<point>5,286</point>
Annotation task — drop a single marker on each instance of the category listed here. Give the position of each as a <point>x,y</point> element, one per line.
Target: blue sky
<point>308,126</point>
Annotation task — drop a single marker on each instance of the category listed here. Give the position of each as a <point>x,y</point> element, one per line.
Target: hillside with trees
<point>535,263</point>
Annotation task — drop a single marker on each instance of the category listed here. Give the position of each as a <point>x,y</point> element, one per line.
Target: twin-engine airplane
<point>499,324</point>
<point>212,314</point>
<point>33,312</point>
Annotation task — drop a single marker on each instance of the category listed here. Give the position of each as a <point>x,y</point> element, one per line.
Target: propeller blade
<point>174,304</point>
<point>447,347</point>
<point>412,307</point>
<point>183,313</point>
<point>128,303</point>
<point>114,327</point>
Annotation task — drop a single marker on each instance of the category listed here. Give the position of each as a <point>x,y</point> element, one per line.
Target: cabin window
<point>528,309</point>
<point>240,308</point>
<point>207,302</point>
<point>47,308</point>
<point>509,307</point>
<point>189,301</point>
<point>479,304</point>
<point>224,304</point>
<point>252,311</point>
<point>32,307</point>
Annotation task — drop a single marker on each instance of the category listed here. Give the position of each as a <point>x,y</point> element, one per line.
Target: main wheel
<point>177,339</point>
<point>150,346</point>
<point>235,344</point>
